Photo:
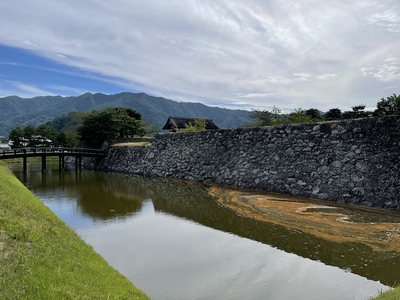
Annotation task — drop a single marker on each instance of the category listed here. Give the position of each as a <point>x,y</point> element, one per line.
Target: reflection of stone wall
<point>349,161</point>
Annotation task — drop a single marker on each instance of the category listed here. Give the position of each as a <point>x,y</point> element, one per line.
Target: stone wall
<point>353,161</point>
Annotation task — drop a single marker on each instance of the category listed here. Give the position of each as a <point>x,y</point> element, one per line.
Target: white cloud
<point>254,95</point>
<point>5,63</point>
<point>384,73</point>
<point>303,76</point>
<point>387,18</point>
<point>297,54</point>
<point>388,71</point>
<point>65,90</point>
<point>327,76</point>
<point>21,89</point>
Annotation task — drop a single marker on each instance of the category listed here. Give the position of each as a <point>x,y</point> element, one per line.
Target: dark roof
<point>181,123</point>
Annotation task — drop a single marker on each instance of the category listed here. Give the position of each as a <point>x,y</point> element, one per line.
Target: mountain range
<point>16,111</point>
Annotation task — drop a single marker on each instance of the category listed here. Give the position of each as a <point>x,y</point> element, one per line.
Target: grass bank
<point>42,258</point>
<point>389,295</point>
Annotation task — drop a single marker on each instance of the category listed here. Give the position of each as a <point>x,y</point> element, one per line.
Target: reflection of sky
<point>67,210</point>
<point>173,258</point>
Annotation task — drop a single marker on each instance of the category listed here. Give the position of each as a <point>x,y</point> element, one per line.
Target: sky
<point>252,54</point>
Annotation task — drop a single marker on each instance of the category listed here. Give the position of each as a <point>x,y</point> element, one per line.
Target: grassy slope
<point>389,295</point>
<point>42,258</point>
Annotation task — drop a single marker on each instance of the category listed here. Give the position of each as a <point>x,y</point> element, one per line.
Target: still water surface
<point>174,241</point>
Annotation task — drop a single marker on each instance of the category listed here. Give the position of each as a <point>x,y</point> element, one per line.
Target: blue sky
<point>229,53</point>
<point>25,73</point>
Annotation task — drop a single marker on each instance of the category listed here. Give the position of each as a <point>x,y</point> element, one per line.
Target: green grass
<point>393,294</point>
<point>42,258</point>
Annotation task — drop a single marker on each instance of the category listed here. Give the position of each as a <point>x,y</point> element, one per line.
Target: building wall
<point>353,161</point>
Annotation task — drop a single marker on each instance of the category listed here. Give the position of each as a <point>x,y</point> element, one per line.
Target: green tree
<point>278,117</point>
<point>333,114</point>
<point>298,116</point>
<point>261,117</point>
<point>314,114</point>
<point>96,128</point>
<point>151,128</point>
<point>62,139</point>
<point>356,112</point>
<point>126,121</point>
<point>266,117</point>
<point>198,125</point>
<point>387,107</point>
<point>29,134</point>
<point>108,124</point>
<point>46,133</point>
<point>16,135</point>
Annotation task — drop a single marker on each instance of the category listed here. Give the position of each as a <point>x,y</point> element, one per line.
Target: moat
<point>183,240</point>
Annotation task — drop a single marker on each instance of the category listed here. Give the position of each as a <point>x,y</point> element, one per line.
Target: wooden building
<point>179,123</point>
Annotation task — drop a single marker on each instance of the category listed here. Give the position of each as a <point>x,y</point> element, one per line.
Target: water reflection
<point>156,222</point>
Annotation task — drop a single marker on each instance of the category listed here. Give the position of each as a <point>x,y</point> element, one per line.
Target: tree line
<point>385,107</point>
<point>75,129</point>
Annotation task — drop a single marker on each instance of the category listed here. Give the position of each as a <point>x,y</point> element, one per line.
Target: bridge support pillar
<point>25,164</point>
<point>61,163</point>
<point>78,161</point>
<point>43,163</point>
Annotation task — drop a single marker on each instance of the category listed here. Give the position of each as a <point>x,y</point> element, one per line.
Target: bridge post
<point>43,162</point>
<point>78,161</point>
<point>24,163</point>
<point>61,163</point>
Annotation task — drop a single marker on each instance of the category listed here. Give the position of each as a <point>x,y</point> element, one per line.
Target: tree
<point>151,128</point>
<point>387,107</point>
<point>16,136</point>
<point>261,117</point>
<point>314,114</point>
<point>108,124</point>
<point>29,132</point>
<point>358,111</point>
<point>266,117</point>
<point>127,122</point>
<point>62,139</point>
<point>198,125</point>
<point>298,116</point>
<point>333,114</point>
<point>47,134</point>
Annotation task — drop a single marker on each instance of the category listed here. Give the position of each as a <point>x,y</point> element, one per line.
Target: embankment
<point>354,161</point>
<point>42,258</point>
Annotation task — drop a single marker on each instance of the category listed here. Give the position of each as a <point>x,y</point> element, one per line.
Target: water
<point>174,240</point>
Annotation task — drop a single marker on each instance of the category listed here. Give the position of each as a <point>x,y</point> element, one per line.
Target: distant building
<point>33,141</point>
<point>179,123</point>
<point>5,146</point>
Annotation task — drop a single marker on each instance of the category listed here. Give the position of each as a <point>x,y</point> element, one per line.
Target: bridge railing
<point>55,150</point>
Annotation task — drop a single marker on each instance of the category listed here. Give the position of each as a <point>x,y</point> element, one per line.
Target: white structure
<point>5,146</point>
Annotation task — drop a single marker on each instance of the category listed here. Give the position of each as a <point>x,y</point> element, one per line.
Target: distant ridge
<point>38,110</point>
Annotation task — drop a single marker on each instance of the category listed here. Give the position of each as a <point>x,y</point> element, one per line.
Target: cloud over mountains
<point>243,54</point>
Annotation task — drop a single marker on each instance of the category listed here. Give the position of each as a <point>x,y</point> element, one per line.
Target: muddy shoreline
<point>376,228</point>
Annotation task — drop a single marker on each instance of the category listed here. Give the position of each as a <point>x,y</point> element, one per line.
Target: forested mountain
<point>38,110</point>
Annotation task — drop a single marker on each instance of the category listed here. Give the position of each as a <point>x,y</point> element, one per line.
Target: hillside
<point>22,111</point>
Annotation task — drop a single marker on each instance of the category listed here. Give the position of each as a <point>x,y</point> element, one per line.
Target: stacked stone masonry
<point>353,161</point>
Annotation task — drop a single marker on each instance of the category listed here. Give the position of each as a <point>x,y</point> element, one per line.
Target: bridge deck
<point>56,151</point>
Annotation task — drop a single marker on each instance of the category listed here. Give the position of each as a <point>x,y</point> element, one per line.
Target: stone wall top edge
<point>297,126</point>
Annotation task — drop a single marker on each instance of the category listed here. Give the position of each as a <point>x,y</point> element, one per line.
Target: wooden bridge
<point>78,153</point>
